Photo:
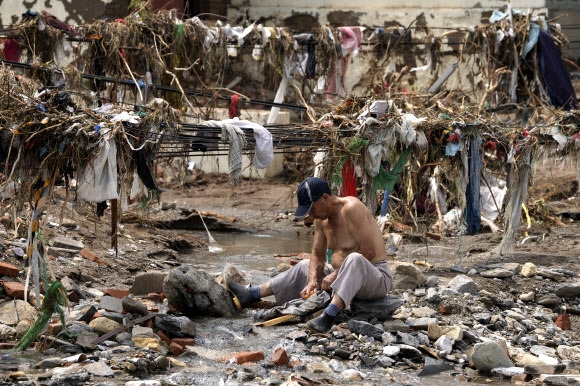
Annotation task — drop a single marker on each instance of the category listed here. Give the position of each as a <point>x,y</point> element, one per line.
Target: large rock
<point>195,293</point>
<point>407,276</point>
<point>175,326</point>
<point>148,282</point>
<point>463,284</point>
<point>487,356</point>
<point>15,311</point>
<point>381,309</point>
<point>571,353</point>
<point>568,290</point>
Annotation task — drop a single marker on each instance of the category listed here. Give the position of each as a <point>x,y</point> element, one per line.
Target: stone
<point>87,314</point>
<point>391,351</point>
<point>544,369</point>
<point>112,304</point>
<point>14,289</point>
<point>435,331</point>
<point>395,325</point>
<point>102,325</point>
<point>432,295</point>
<point>433,366</point>
<point>134,306</point>
<point>363,328</point>
<point>67,243</point>
<point>124,338</point>
<point>48,363</point>
<point>507,372</point>
<point>142,332</point>
<point>147,382</point>
<point>528,270</point>
<point>568,291</point>
<point>560,380</point>
<point>487,356</point>
<point>407,276</point>
<point>420,323</point>
<point>10,310</point>
<point>242,357</point>
<point>337,365</point>
<point>528,296</point>
<point>8,270</point>
<point>432,281</point>
<point>407,339</point>
<point>550,274</point>
<point>176,326</point>
<point>297,335</point>
<point>147,342</point>
<point>162,362</point>
<point>444,344</point>
<point>99,369</point>
<point>74,374</point>
<point>283,267</point>
<point>548,300</point>
<point>280,357</point>
<point>543,350</point>
<point>85,339</point>
<point>352,375</point>
<point>385,361</point>
<point>423,312</point>
<point>194,292</point>
<point>116,316</point>
<point>410,352</point>
<point>342,354</point>
<point>146,282</point>
<point>420,292</point>
<point>463,284</point>
<point>521,378</point>
<point>499,273</point>
<point>482,317</point>
<point>381,309</point>
<point>318,368</point>
<point>571,353</point>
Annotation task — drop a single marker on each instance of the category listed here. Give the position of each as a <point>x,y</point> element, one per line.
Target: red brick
<point>116,293</point>
<point>51,257</point>
<point>184,341</point>
<point>162,296</point>
<point>149,323</point>
<point>163,337</point>
<point>280,357</point>
<point>295,363</point>
<point>14,289</point>
<point>8,270</point>
<point>54,328</point>
<point>154,296</point>
<point>73,296</point>
<point>242,357</point>
<point>7,345</point>
<point>563,321</point>
<point>175,349</point>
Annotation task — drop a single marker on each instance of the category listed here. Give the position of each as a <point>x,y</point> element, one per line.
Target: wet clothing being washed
<point>357,278</point>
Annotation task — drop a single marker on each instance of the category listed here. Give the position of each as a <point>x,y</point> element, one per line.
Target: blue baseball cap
<point>309,191</point>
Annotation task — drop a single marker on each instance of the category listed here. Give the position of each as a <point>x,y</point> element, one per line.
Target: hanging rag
<point>53,21</point>
<point>12,50</point>
<point>348,187</point>
<point>264,147</point>
<point>237,140</point>
<point>290,66</point>
<point>234,100</point>
<point>472,192</point>
<point>311,61</point>
<point>387,180</point>
<point>143,161</point>
<point>350,39</point>
<point>98,182</point>
<point>532,39</point>
<point>555,74</point>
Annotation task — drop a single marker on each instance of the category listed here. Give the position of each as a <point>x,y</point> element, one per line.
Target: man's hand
<point>328,280</point>
<point>309,290</point>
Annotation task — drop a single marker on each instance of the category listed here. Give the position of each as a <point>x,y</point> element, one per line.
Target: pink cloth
<point>350,38</point>
<point>12,50</point>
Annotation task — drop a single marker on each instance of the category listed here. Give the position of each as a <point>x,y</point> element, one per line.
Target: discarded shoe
<point>240,293</point>
<point>321,323</point>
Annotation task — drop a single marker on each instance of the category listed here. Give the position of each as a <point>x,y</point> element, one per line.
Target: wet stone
<point>433,367</point>
<point>363,328</point>
<point>175,326</point>
<point>298,335</point>
<point>507,372</point>
<point>570,379</point>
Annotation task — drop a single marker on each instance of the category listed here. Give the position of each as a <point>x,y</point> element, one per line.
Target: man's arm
<point>317,260</point>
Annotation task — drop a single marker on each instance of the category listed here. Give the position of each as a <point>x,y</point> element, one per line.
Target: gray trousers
<point>357,278</point>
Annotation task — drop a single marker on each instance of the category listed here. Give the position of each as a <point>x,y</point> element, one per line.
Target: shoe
<point>321,323</point>
<point>240,294</point>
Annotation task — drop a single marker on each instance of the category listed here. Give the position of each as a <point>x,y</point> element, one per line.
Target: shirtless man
<point>359,267</point>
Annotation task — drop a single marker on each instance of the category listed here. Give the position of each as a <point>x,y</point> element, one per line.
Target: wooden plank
<point>275,321</point>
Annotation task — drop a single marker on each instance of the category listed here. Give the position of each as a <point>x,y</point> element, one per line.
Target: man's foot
<point>321,323</point>
<point>240,294</point>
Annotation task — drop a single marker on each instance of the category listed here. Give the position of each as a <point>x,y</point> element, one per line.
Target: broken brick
<point>54,328</point>
<point>14,289</point>
<point>92,256</point>
<point>184,341</point>
<point>116,293</point>
<point>163,337</point>
<point>175,349</point>
<point>280,357</point>
<point>242,357</point>
<point>8,270</point>
<point>154,296</point>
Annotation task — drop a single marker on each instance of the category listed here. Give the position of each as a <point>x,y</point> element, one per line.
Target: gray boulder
<point>195,293</point>
<point>487,356</point>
